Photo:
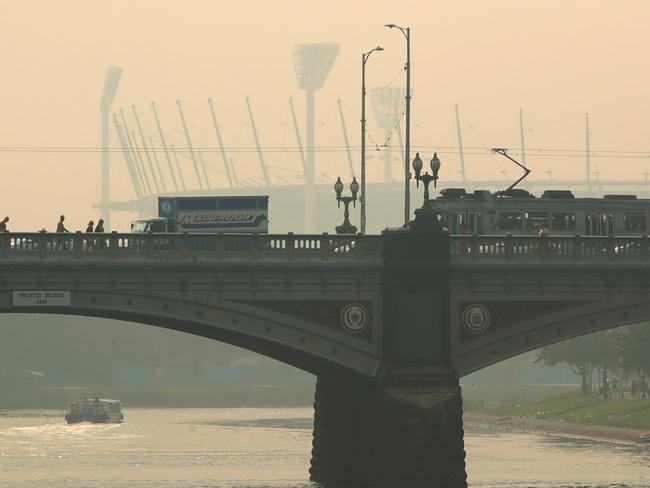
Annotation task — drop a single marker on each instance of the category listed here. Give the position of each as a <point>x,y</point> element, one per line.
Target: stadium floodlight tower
<point>312,63</point>
<point>384,104</point>
<point>112,79</point>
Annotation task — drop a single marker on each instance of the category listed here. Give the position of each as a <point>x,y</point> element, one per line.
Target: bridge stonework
<point>387,323</point>
<point>279,296</point>
<point>402,428</point>
<point>510,295</point>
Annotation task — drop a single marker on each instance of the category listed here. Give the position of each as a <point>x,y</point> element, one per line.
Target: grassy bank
<point>629,414</point>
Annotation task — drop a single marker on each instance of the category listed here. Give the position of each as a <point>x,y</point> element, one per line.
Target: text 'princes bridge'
<point>387,323</point>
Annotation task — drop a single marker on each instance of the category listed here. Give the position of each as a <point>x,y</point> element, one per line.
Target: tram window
<point>533,219</point>
<point>457,223</point>
<point>635,221</point>
<point>510,221</point>
<point>563,221</point>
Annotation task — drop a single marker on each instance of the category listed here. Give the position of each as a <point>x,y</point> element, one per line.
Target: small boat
<point>644,438</point>
<point>97,410</point>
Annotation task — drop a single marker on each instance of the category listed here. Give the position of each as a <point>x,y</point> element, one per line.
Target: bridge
<point>387,323</point>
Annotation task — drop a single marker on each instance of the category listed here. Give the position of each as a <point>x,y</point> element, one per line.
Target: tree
<point>582,354</point>
<point>635,352</point>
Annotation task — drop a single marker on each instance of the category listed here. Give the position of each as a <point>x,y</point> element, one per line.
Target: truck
<point>208,214</point>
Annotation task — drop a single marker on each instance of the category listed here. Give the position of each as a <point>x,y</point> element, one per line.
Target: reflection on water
<point>269,423</point>
<point>537,461</point>
<point>270,448</point>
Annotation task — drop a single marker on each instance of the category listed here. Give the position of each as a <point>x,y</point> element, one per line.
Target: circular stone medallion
<point>354,317</point>
<point>476,318</point>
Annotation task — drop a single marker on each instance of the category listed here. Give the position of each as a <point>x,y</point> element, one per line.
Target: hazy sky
<point>555,59</point>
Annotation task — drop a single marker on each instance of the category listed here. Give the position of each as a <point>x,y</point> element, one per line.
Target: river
<point>270,448</point>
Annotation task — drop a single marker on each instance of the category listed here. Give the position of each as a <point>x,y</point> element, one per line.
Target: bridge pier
<point>404,428</point>
<point>406,432</point>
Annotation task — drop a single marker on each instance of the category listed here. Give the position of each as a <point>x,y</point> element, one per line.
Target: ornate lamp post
<point>426,219</point>
<point>346,227</point>
<point>426,178</point>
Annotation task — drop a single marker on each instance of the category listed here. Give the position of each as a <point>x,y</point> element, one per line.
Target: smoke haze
<point>556,60</point>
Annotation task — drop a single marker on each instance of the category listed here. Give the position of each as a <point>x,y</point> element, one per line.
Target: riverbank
<point>164,396</point>
<point>572,415</point>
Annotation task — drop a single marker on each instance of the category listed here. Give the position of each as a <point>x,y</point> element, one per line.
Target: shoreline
<point>553,428</point>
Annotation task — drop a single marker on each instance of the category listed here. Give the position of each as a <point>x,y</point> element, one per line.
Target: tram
<point>518,212</point>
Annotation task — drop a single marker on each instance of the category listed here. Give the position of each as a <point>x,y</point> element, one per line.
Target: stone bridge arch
<point>527,335</point>
<point>290,340</point>
<point>285,297</point>
<point>501,306</point>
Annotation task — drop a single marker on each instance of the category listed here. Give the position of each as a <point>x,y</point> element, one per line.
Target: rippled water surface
<point>269,448</point>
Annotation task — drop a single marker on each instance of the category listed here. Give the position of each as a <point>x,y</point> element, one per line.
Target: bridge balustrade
<point>183,245</point>
<point>551,248</point>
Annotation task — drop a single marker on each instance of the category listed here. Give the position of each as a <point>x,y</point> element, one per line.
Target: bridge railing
<point>551,248</point>
<point>178,246</point>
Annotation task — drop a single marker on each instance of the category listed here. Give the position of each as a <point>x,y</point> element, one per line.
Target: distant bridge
<point>388,323</point>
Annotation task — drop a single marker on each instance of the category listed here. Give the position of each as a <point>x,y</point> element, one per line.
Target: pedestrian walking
<point>90,243</point>
<point>3,224</point>
<point>60,229</point>
<point>99,229</point>
<point>543,231</point>
<point>100,226</point>
<point>59,226</point>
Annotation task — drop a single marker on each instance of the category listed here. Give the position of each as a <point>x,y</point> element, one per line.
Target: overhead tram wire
<point>473,150</point>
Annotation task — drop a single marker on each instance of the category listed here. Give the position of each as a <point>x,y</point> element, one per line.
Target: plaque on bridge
<point>54,298</point>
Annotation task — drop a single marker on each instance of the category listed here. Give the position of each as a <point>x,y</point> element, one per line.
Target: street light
<point>426,178</point>
<point>346,227</point>
<point>407,156</point>
<point>364,59</point>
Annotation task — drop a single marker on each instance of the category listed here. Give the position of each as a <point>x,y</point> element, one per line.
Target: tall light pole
<point>364,60</point>
<point>407,173</point>
<point>111,81</point>
<point>312,63</point>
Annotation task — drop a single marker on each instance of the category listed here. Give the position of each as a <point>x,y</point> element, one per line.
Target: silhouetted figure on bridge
<point>90,243</point>
<point>3,224</point>
<point>543,231</point>
<point>99,228</point>
<point>60,228</point>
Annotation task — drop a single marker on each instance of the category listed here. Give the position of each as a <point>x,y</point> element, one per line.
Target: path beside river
<point>551,427</point>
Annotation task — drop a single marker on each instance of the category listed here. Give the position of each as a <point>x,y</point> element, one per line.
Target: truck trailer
<point>208,214</point>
